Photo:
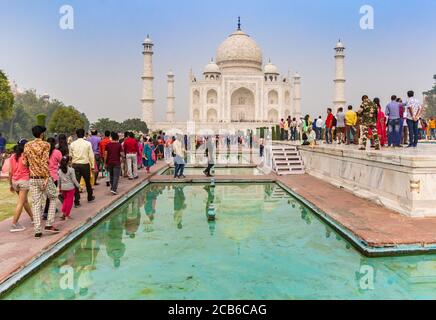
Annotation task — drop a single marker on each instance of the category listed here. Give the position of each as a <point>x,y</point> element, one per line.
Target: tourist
<point>131,149</point>
<point>19,176</point>
<point>350,122</point>
<point>82,159</point>
<point>328,126</point>
<point>179,162</point>
<point>95,141</point>
<point>432,127</point>
<point>340,126</point>
<point>403,122</point>
<point>262,147</point>
<point>294,130</point>
<point>112,159</point>
<point>368,112</point>
<point>62,145</point>
<point>55,157</point>
<point>318,127</point>
<point>103,144</point>
<point>2,143</point>
<point>124,171</point>
<point>36,158</point>
<point>394,122</point>
<point>140,142</point>
<point>149,155</point>
<point>210,156</point>
<point>422,125</point>
<point>414,109</point>
<point>282,129</point>
<point>285,130</point>
<point>381,123</point>
<point>167,150</point>
<point>67,183</point>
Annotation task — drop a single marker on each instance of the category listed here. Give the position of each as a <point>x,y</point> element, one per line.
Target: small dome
<point>148,40</point>
<point>340,45</point>
<point>211,67</point>
<point>270,69</point>
<point>170,73</point>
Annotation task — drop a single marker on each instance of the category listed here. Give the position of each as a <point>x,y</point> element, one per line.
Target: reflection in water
<point>266,243</point>
<point>210,208</point>
<point>179,205</point>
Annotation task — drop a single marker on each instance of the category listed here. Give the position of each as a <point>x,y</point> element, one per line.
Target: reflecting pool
<point>264,244</point>
<point>218,171</point>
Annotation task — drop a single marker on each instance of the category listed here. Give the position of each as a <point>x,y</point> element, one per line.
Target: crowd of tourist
<point>56,169</point>
<point>399,123</point>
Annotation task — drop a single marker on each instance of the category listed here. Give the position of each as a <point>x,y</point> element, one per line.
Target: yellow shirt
<point>350,118</point>
<point>432,124</point>
<point>81,152</point>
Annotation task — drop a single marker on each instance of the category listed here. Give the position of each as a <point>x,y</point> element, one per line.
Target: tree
<point>134,125</point>
<point>66,120</point>
<point>430,99</point>
<point>104,124</point>
<point>6,98</point>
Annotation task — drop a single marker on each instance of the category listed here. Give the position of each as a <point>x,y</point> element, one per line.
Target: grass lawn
<point>8,201</point>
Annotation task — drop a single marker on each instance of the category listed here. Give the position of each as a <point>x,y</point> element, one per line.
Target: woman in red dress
<point>381,124</point>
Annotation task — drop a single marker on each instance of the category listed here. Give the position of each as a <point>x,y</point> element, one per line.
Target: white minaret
<point>339,81</point>
<point>147,83</point>
<point>297,96</point>
<point>170,98</point>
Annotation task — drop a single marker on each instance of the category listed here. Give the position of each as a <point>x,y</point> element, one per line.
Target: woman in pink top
<point>53,166</point>
<point>19,177</point>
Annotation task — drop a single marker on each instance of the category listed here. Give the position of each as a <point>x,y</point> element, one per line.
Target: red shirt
<point>131,146</point>
<point>329,121</point>
<point>113,150</point>
<point>103,144</point>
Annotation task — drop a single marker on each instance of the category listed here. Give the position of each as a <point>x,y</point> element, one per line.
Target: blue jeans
<point>433,134</point>
<point>394,135</point>
<point>328,135</point>
<point>413,132</point>
<point>178,170</point>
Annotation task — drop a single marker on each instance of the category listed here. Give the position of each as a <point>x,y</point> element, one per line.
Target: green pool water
<point>218,171</point>
<point>264,244</point>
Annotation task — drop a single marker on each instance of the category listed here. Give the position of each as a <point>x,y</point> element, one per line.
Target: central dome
<point>239,50</point>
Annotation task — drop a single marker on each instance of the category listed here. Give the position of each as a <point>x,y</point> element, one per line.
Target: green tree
<point>66,120</point>
<point>6,98</point>
<point>104,124</point>
<point>430,95</point>
<point>134,125</point>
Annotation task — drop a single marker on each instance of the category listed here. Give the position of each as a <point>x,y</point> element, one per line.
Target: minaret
<point>297,96</point>
<point>170,97</point>
<point>147,83</point>
<point>339,81</point>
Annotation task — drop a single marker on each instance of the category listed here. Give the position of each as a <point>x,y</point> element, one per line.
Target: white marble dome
<point>270,68</point>
<point>211,67</point>
<point>239,48</point>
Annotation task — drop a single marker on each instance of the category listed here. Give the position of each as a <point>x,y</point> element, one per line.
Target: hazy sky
<point>97,66</point>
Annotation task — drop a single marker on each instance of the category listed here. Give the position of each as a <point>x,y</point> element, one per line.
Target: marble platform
<point>403,180</point>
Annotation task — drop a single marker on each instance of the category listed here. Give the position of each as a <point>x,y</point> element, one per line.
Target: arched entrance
<point>242,105</point>
<point>273,115</point>
<point>212,115</point>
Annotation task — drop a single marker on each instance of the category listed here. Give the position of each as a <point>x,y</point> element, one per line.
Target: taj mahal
<point>236,91</point>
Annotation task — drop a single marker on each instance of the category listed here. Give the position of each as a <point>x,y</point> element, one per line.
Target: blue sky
<point>97,66</point>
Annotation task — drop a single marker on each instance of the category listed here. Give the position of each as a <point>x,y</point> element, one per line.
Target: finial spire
<point>239,23</point>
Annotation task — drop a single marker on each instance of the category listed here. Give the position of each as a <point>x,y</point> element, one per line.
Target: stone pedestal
<point>403,180</point>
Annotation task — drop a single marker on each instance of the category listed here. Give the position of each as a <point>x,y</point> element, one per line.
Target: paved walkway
<point>19,249</point>
<point>378,226</point>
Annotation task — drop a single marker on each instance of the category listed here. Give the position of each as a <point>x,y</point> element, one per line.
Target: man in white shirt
<point>319,123</point>
<point>82,159</point>
<point>414,109</point>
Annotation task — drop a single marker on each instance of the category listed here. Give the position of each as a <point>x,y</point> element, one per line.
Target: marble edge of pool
<point>366,249</point>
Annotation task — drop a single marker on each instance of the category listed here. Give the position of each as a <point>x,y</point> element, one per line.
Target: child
<point>67,186</point>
